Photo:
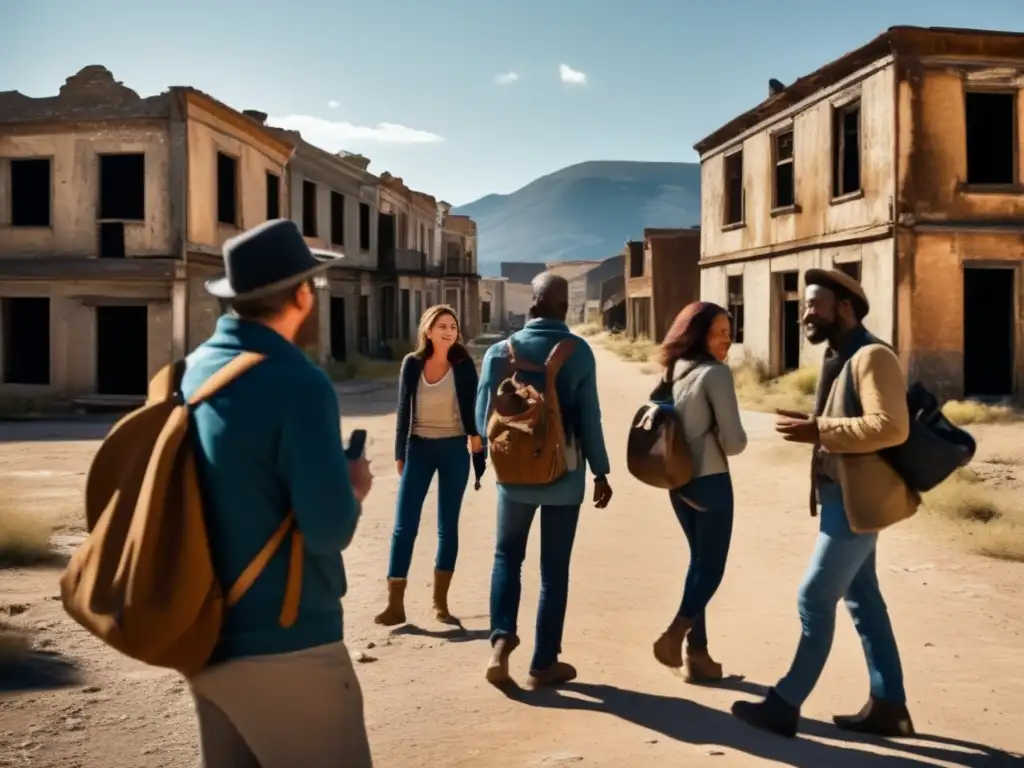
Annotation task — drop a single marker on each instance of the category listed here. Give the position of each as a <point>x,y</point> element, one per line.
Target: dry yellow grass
<point>988,517</point>
<point>588,330</point>
<point>24,537</point>
<point>757,391</point>
<point>965,412</point>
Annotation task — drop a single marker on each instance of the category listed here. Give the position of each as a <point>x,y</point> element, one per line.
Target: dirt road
<point>958,618</point>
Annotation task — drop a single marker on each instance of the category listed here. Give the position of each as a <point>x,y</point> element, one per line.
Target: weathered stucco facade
<point>661,277</point>
<point>109,220</point>
<point>864,165</point>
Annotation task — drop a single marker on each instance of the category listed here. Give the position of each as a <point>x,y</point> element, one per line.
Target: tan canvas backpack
<point>143,580</point>
<point>525,433</point>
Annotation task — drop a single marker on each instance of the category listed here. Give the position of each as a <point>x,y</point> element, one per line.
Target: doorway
<point>26,340</point>
<point>122,350</point>
<point>789,320</point>
<point>338,349</point>
<point>363,325</point>
<point>989,310</point>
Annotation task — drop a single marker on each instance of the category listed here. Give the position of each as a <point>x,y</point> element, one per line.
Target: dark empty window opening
<point>273,196</point>
<point>364,227</point>
<point>736,307</point>
<point>309,222</point>
<point>111,235</point>
<point>636,263</point>
<point>227,190</point>
<point>789,325</point>
<point>123,187</point>
<point>26,335</point>
<point>30,192</point>
<point>991,137</point>
<point>122,349</point>
<point>846,149</point>
<point>791,282</point>
<point>485,312</point>
<point>785,179</point>
<point>734,188</point>
<point>337,218</point>
<point>990,316</point>
<point>852,268</point>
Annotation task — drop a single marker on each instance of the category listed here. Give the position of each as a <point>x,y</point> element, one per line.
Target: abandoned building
<point>333,200</point>
<point>612,302</point>
<point>585,286</point>
<point>901,163</point>
<point>460,279</point>
<point>113,212</point>
<point>662,275</point>
<point>494,315</point>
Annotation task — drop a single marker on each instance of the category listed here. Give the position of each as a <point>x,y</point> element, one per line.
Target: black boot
<point>773,714</point>
<point>878,718</point>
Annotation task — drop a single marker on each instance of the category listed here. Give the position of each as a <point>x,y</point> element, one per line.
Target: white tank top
<point>437,409</point>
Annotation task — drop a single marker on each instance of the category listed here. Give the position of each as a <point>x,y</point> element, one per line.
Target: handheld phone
<point>356,444</point>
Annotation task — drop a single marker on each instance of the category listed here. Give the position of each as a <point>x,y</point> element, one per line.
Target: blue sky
<point>646,79</point>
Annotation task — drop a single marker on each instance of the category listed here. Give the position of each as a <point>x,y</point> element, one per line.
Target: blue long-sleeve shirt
<point>577,397</point>
<point>269,443</point>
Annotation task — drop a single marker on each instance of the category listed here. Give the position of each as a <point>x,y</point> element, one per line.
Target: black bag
<point>935,448</point>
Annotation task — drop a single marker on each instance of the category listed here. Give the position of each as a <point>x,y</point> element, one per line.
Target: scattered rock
<point>371,645</point>
<point>365,658</point>
<point>13,609</point>
<point>90,689</point>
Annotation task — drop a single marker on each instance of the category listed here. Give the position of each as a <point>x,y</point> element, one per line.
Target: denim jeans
<point>842,566</point>
<point>557,534</point>
<point>708,531</point>
<point>448,457</point>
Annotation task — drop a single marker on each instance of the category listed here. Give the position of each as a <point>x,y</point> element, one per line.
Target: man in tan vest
<point>860,409</point>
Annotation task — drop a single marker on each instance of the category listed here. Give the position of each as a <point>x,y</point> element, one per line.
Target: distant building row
<point>114,209</point>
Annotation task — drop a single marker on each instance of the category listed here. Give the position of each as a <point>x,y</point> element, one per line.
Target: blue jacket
<point>577,396</point>
<point>270,442</point>
<point>408,382</point>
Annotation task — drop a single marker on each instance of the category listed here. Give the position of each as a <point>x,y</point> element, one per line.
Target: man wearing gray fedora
<point>281,690</point>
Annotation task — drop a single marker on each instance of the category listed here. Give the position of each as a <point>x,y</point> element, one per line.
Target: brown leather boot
<point>668,649</point>
<point>878,718</point>
<point>558,673</point>
<point>442,582</point>
<point>701,668</point>
<point>394,614</point>
<point>497,667</point>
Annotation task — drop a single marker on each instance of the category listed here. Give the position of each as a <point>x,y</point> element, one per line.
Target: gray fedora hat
<point>267,258</point>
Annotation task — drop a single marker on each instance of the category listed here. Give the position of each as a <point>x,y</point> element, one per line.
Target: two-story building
<point>113,212</point>
<point>902,163</point>
<point>461,281</point>
<point>401,260</point>
<point>662,275</point>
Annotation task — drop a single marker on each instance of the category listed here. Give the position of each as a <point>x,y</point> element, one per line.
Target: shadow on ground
<point>37,670</point>
<point>455,634</point>
<point>692,723</point>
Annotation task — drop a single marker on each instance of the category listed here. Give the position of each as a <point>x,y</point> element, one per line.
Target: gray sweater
<point>705,399</point>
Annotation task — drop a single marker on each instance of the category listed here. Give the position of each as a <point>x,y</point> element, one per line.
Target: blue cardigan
<point>408,382</point>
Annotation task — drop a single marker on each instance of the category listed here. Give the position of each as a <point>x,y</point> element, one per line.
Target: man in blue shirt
<point>279,693</point>
<point>559,501</point>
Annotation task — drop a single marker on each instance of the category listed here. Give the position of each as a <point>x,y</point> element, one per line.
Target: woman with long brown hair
<point>435,434</point>
<point>693,357</point>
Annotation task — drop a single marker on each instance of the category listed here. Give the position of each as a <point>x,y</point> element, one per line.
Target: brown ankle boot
<point>497,667</point>
<point>442,582</point>
<point>558,673</point>
<point>701,668</point>
<point>394,614</point>
<point>878,718</point>
<point>668,649</point>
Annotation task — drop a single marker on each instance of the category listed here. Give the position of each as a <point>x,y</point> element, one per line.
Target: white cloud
<point>506,78</point>
<point>334,136</point>
<point>333,104</point>
<point>571,76</point>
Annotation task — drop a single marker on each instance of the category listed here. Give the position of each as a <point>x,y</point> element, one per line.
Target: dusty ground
<point>958,617</point>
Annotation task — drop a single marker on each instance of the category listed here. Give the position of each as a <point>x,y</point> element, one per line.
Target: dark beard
<point>820,332</point>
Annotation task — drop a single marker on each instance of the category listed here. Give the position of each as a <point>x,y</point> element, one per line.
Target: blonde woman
<point>435,434</point>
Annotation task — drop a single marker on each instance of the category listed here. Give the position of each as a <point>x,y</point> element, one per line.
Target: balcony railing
<point>458,265</point>
<point>403,260</point>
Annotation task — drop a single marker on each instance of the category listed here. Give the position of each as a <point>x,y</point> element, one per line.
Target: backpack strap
<point>224,376</point>
<point>558,356</point>
<point>516,363</point>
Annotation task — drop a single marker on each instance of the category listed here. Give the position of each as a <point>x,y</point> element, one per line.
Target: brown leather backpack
<point>657,453</point>
<point>525,433</point>
<point>143,580</point>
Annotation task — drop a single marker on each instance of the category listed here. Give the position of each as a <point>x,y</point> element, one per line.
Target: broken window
<point>852,268</point>
<point>991,119</point>
<point>337,218</point>
<point>30,192</point>
<point>734,188</point>
<point>26,335</point>
<point>111,244</point>
<point>636,262</point>
<point>309,223</point>
<point>123,187</point>
<point>364,227</point>
<point>273,196</point>
<point>227,190</point>
<point>846,149</point>
<point>785,179</point>
<point>736,307</point>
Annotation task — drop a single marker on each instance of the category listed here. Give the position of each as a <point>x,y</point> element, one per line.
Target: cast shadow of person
<point>693,723</point>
